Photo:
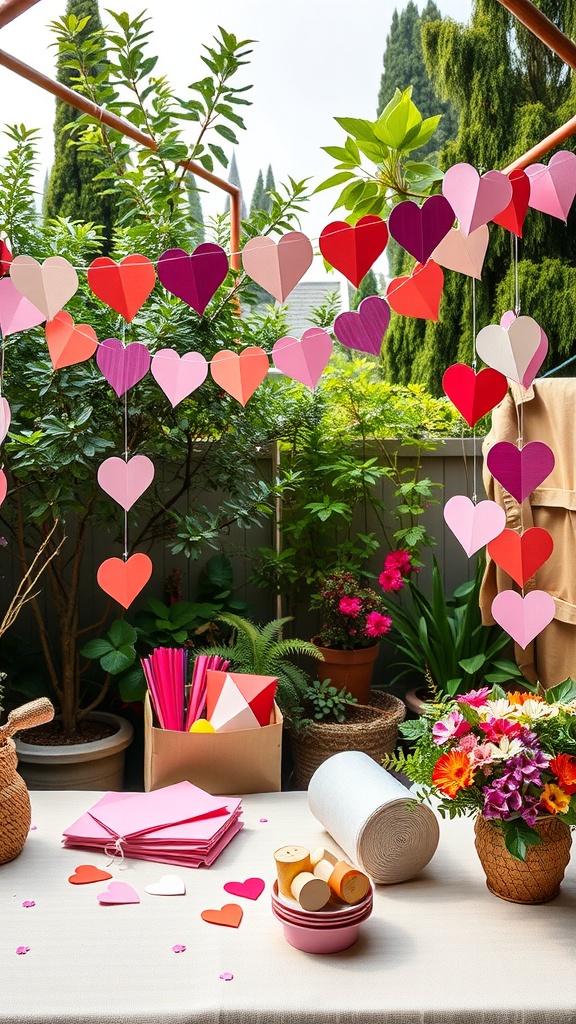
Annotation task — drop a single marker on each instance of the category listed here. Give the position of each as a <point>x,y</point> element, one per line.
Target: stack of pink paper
<point>179,824</point>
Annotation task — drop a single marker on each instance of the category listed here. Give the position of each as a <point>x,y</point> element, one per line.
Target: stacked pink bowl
<point>333,928</point>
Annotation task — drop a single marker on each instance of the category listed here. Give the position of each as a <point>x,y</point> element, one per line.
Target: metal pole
<point>543,29</point>
<point>12,9</point>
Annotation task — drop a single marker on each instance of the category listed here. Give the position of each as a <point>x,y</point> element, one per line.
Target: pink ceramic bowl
<point>319,940</point>
<point>310,921</point>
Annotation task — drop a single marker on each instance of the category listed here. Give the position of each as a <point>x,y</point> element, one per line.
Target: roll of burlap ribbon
<point>373,817</point>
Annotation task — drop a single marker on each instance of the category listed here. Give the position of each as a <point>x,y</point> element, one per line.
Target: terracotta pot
<point>14,805</point>
<point>535,880</point>
<point>349,669</point>
<point>92,766</point>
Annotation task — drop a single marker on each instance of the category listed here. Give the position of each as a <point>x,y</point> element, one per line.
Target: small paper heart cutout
<point>86,873</point>
<point>3,486</point>
<point>474,199</point>
<point>230,915</point>
<point>365,328</point>
<point>510,350</point>
<point>118,892</point>
<point>123,286</point>
<point>123,581</point>
<point>553,187</point>
<point>474,394</point>
<point>167,885</point>
<point>523,617</point>
<point>125,482</point>
<point>47,286</point>
<point>353,249</point>
<point>240,373</point>
<point>520,471</point>
<point>474,525</point>
<point>69,343</point>
<point>278,267</point>
<point>178,376</point>
<point>122,365</point>
<point>419,229</point>
<point>195,278</point>
<point>305,359</point>
<point>419,294</point>
<point>252,888</point>
<point>521,554</point>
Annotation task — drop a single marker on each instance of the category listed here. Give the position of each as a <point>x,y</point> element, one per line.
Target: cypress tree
<point>259,196</point>
<point>270,187</point>
<point>368,286</point>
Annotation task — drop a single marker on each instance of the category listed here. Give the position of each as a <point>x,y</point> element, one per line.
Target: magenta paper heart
<point>552,188</point>
<point>463,253</point>
<point>126,481</point>
<point>278,268</point>
<point>178,376</point>
<point>523,617</point>
<point>303,360</point>
<point>122,366</point>
<point>539,356</point>
<point>194,278</point>
<point>365,329</point>
<point>520,471</point>
<point>474,199</point>
<point>3,486</point>
<point>474,525</point>
<point>419,229</point>
<point>118,892</point>
<point>511,350</point>
<point>48,286</point>
<point>17,313</point>
<point>5,417</point>
<point>252,888</point>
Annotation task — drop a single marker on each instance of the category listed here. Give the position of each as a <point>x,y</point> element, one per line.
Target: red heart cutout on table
<point>240,373</point>
<point>252,888</point>
<point>230,915</point>
<point>69,343</point>
<point>474,394</point>
<point>521,554</point>
<point>123,581</point>
<point>418,295</point>
<point>352,249</point>
<point>512,218</point>
<point>86,873</point>
<point>123,286</point>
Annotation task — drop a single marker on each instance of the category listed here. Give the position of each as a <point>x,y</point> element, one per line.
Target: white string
<point>474,365</point>
<point>114,850</point>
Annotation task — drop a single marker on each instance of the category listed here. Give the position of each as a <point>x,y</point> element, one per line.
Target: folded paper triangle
<point>227,692</point>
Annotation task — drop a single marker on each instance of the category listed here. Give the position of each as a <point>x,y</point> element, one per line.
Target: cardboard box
<point>229,763</point>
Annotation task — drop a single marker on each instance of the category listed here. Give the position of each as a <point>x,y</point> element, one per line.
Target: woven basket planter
<point>14,805</point>
<point>535,880</point>
<point>372,730</point>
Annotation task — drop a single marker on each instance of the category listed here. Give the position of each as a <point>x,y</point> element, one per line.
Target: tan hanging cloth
<point>549,415</point>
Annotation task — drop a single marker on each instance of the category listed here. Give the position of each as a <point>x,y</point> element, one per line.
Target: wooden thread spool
<point>346,881</point>
<point>312,893</point>
<point>291,861</point>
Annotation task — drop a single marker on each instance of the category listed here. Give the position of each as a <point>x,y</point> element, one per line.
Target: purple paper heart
<point>419,229</point>
<point>194,278</point>
<point>520,471</point>
<point>365,329</point>
<point>122,366</point>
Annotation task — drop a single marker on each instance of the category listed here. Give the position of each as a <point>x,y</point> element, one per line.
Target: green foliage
<point>328,703</point>
<point>368,286</point>
<point>259,194</point>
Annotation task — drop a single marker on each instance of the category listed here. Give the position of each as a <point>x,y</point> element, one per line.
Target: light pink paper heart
<point>5,418</point>
<point>303,360</point>
<point>474,199</point>
<point>16,312</point>
<point>126,481</point>
<point>474,525</point>
<point>540,354</point>
<point>178,376</point>
<point>47,286</point>
<point>523,617</point>
<point>552,188</point>
<point>511,350</point>
<point>252,888</point>
<point>278,268</point>
<point>3,486</point>
<point>463,253</point>
<point>118,892</point>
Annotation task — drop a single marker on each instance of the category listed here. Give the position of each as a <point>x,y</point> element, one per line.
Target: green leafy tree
<point>368,286</point>
<point>259,195</point>
<point>195,204</point>
<point>270,187</point>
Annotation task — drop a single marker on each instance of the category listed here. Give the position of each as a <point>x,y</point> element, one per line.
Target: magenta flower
<point>350,606</point>
<point>391,579</point>
<point>451,727</point>
<point>475,698</point>
<point>398,560</point>
<point>496,728</point>
<point>377,624</point>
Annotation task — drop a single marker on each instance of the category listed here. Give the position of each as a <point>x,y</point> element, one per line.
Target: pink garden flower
<point>475,698</point>
<point>391,579</point>
<point>377,624</point>
<point>451,727</point>
<point>350,606</point>
<point>496,728</point>
<point>399,560</point>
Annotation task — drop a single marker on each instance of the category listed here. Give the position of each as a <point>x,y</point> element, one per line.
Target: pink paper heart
<point>252,888</point>
<point>3,486</point>
<point>303,360</point>
<point>365,329</point>
<point>194,278</point>
<point>539,356</point>
<point>278,268</point>
<point>474,525</point>
<point>126,481</point>
<point>552,188</point>
<point>463,253</point>
<point>118,892</point>
<point>520,471</point>
<point>178,376</point>
<point>47,286</point>
<point>17,313</point>
<point>474,199</point>
<point>512,350</point>
<point>5,418</point>
<point>122,366</point>
<point>523,617</point>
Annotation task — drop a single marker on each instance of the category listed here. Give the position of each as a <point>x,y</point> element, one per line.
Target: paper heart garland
<point>521,554</point>
<point>125,482</point>
<point>69,343</point>
<point>278,267</point>
<point>419,229</point>
<point>123,581</point>
<point>84,874</point>
<point>230,915</point>
<point>240,373</point>
<point>364,329</point>
<point>353,249</point>
<point>474,199</point>
<point>5,418</point>
<point>123,286</point>
<point>418,295</point>
<point>252,888</point>
<point>17,313</point>
<point>474,525</point>
<point>463,253</point>
<point>510,350</point>
<point>167,885</point>
<point>194,278</point>
<point>5,258</point>
<point>303,360</point>
<point>539,356</point>
<point>512,218</point>
<point>474,394</point>
<point>520,471</point>
<point>178,376</point>
<point>118,892</point>
<point>523,617</point>
<point>3,486</point>
<point>47,286</point>
<point>123,366</point>
<point>552,188</point>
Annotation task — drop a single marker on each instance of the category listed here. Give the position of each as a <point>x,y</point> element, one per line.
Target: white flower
<point>495,708</point>
<point>530,710</point>
<point>505,749</point>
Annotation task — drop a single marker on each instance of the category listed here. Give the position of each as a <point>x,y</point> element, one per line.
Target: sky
<point>312,60</point>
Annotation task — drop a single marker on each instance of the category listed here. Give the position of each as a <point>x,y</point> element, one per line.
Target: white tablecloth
<point>439,948</point>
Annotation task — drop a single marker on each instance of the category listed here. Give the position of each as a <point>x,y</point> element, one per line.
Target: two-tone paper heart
<point>353,249</point>
<point>419,294</point>
<point>473,525</point>
<point>278,267</point>
<point>123,286</point>
<point>523,618</point>
<point>194,278</point>
<point>85,874</point>
<point>512,350</point>
<point>521,554</point>
<point>520,470</point>
<point>553,187</point>
<point>178,376</point>
<point>474,199</point>
<point>239,374</point>
<point>539,356</point>
<point>305,359</point>
<point>48,286</point>
<point>126,481</point>
<point>365,328</point>
<point>123,581</point>
<point>474,394</point>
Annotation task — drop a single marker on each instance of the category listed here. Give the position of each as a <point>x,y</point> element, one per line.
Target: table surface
<point>439,948</point>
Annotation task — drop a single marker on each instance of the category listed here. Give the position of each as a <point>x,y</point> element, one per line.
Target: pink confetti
<point>29,903</point>
<point>23,949</point>
<point>178,949</point>
<point>226,976</point>
<point>33,828</point>
<point>263,820</point>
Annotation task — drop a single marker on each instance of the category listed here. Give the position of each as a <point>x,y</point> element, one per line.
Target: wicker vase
<point>352,670</point>
<point>14,805</point>
<point>535,880</point>
<point>372,730</point>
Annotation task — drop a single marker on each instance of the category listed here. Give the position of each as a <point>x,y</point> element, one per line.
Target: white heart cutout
<point>168,885</point>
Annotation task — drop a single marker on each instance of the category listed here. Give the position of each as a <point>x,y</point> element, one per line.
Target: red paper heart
<point>123,581</point>
<point>418,295</point>
<point>352,249</point>
<point>69,343</point>
<point>512,218</point>
<point>251,889</point>
<point>123,286</point>
<point>86,873</point>
<point>521,554</point>
<point>230,915</point>
<point>474,394</point>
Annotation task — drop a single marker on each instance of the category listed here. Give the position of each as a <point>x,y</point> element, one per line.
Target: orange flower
<point>520,698</point>
<point>564,766</point>
<point>452,772</point>
<point>554,799</point>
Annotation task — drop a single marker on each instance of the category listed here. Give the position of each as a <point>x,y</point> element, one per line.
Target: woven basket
<point>535,880</point>
<point>14,805</point>
<point>374,732</point>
